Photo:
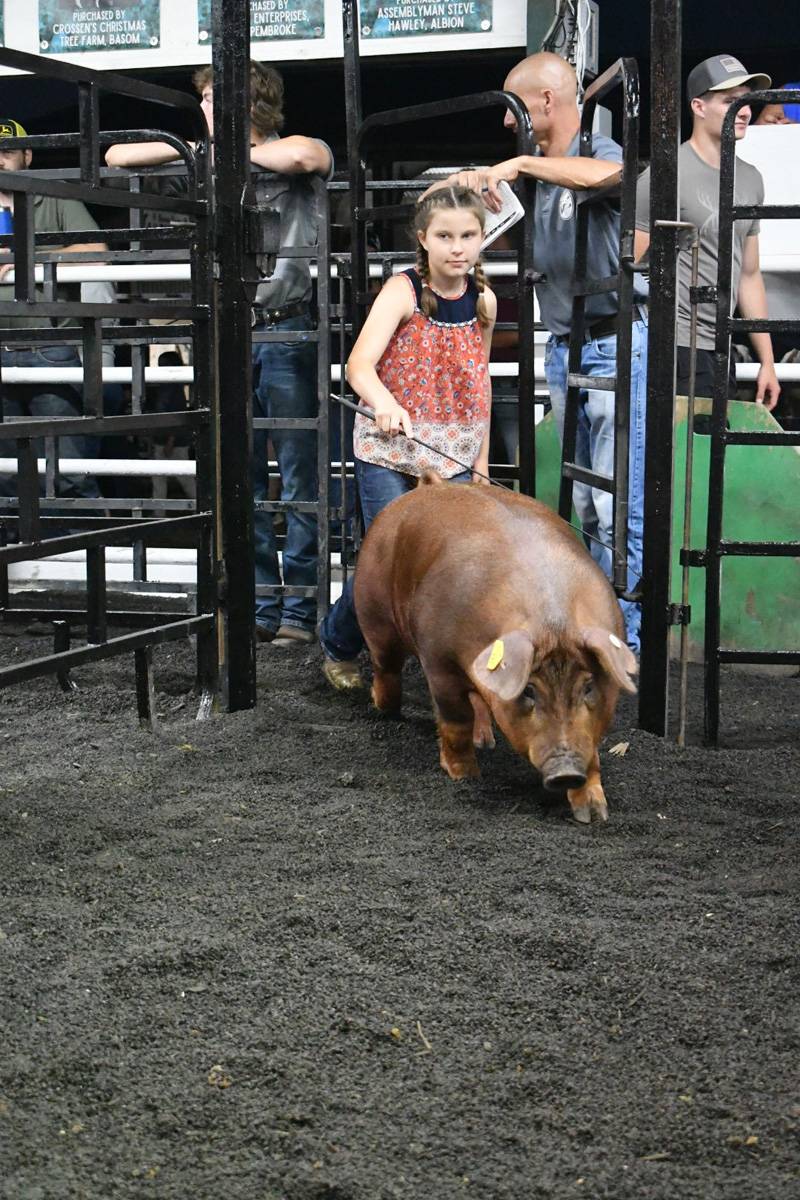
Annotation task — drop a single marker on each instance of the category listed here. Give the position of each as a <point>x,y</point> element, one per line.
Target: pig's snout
<point>563,771</point>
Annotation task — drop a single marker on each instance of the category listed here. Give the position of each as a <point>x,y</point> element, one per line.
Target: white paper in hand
<point>511,211</point>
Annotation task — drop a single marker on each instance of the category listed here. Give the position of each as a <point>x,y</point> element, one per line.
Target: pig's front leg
<point>589,801</point>
<point>482,732</point>
<point>455,720</point>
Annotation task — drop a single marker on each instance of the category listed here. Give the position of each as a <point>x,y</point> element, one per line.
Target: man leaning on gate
<point>284,373</point>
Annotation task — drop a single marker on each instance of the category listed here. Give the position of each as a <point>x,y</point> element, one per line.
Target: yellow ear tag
<point>496,657</point>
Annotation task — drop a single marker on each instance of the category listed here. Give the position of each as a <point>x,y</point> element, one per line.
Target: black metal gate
<point>625,73</point>
<point>362,136</point>
<point>718,547</point>
<point>35,527</point>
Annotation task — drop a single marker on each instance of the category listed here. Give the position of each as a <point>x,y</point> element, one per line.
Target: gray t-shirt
<point>51,214</point>
<point>554,247</point>
<point>698,202</point>
<point>293,197</point>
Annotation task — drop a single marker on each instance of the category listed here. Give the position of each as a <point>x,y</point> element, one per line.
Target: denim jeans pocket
<point>58,356</point>
<point>606,347</point>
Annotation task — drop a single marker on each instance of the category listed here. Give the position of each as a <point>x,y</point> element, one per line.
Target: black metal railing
<point>362,135</point>
<point>29,521</point>
<point>623,73</point>
<point>718,547</point>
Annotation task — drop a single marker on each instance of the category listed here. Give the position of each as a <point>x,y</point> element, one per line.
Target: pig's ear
<point>504,666</point>
<point>617,659</point>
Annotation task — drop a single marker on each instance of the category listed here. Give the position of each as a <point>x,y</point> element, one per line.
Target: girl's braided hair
<point>451,197</point>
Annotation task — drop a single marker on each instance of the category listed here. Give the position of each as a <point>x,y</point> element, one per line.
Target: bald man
<point>547,86</point>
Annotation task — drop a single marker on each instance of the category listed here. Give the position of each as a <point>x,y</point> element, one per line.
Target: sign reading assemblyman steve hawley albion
<point>407,18</point>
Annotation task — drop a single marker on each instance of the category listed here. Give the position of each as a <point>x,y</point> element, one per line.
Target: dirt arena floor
<point>279,956</point>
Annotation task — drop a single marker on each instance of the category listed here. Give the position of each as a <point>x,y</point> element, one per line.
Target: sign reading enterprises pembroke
<point>272,20</point>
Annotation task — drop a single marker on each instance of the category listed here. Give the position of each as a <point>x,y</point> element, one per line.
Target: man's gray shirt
<point>698,202</point>
<point>554,247</point>
<point>293,197</point>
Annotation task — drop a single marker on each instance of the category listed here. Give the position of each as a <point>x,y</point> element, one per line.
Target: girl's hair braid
<point>428,303</point>
<point>480,284</point>
<point>451,197</point>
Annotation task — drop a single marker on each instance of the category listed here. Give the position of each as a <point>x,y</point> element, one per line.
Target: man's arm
<point>574,171</point>
<point>752,303</point>
<point>295,155</point>
<point>140,154</point>
<point>641,244</point>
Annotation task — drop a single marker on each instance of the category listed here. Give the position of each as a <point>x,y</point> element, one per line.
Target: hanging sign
<point>410,18</point>
<point>272,20</point>
<point>74,26</point>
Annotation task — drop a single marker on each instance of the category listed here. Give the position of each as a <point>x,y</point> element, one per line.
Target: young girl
<point>421,364</point>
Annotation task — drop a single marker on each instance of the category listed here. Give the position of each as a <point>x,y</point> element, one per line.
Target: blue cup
<point>6,220</point>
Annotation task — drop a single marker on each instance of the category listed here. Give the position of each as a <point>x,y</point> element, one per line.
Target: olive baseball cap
<point>720,72</point>
<point>9,128</point>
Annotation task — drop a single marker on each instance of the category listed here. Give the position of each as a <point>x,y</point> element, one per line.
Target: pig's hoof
<point>460,769</point>
<point>390,706</point>
<point>582,815</point>
<point>483,739</point>
<point>589,805</point>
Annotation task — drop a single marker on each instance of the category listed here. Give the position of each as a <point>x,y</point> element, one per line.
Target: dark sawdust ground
<point>279,956</point>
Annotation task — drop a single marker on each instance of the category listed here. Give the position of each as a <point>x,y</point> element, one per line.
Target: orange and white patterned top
<point>436,368</point>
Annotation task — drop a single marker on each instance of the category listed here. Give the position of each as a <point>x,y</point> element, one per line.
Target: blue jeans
<point>285,385</point>
<point>21,400</point>
<point>595,450</point>
<point>339,633</point>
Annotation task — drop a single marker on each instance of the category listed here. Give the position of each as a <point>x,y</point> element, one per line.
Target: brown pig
<point>509,615</point>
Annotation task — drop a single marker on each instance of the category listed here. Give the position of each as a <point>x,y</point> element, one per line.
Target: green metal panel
<point>540,18</point>
<point>760,596</point>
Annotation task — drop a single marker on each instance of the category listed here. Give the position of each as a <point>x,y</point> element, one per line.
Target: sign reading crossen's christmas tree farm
<point>75,26</point>
<point>409,18</point>
<point>273,20</point>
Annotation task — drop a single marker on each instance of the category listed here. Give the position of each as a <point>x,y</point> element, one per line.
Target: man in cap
<point>50,215</point>
<point>712,87</point>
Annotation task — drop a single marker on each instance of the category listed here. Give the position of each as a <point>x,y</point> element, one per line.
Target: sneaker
<point>344,676</point>
<point>293,633</point>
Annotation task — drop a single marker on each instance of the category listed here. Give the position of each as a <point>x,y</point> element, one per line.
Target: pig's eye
<point>590,693</point>
<point>528,697</point>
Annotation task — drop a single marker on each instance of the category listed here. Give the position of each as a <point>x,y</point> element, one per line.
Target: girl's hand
<point>480,465</point>
<point>391,418</point>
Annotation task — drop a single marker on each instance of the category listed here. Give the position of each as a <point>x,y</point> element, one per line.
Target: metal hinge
<point>679,614</point>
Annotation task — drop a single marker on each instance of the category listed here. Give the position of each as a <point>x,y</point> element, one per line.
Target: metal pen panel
<point>665,58</point>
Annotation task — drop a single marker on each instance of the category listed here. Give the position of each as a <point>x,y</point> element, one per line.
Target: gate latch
<point>262,240</point>
<point>679,614</point>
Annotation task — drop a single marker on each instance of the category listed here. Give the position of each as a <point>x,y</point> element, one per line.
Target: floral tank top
<point>436,368</point>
